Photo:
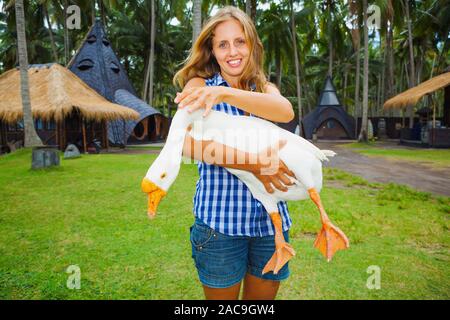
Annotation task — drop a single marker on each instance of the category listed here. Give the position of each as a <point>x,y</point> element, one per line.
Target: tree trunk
<point>253,12</point>
<point>50,33</point>
<point>146,77</point>
<point>31,138</point>
<point>248,7</point>
<point>152,54</point>
<point>196,19</point>
<point>102,12</point>
<point>389,73</point>
<point>363,133</point>
<point>357,83</point>
<point>93,12</point>
<point>412,72</point>
<point>66,35</point>
<point>356,39</point>
<point>297,69</point>
<point>378,106</point>
<point>345,89</point>
<point>330,44</point>
<point>278,67</point>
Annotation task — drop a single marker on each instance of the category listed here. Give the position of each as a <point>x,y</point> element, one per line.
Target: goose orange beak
<point>155,194</point>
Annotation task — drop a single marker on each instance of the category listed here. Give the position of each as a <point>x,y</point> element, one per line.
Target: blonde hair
<point>202,63</point>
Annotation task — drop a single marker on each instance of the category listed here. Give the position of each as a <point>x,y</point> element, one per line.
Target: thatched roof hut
<point>411,96</point>
<point>56,92</point>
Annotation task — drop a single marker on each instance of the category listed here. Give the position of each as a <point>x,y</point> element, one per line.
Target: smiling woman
<point>233,235</point>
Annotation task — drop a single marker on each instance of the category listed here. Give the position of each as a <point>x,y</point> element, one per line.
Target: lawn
<point>436,158</point>
<point>90,212</point>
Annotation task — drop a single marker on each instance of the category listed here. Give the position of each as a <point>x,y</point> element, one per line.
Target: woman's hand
<point>200,97</point>
<point>272,170</point>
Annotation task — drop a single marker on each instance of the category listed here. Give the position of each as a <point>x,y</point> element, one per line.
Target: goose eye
<point>163,175</point>
<point>85,64</point>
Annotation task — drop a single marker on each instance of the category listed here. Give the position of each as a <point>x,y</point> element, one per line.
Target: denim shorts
<point>222,261</point>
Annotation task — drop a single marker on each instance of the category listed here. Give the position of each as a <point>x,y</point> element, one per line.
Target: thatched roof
<point>411,96</point>
<point>54,93</point>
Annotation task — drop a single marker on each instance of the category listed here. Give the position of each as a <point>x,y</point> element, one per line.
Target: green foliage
<point>128,28</point>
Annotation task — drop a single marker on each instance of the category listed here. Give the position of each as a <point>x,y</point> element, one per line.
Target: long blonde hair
<point>202,63</point>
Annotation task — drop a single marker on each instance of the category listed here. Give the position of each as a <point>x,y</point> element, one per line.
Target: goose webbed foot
<point>283,253</point>
<point>330,239</point>
<point>283,250</point>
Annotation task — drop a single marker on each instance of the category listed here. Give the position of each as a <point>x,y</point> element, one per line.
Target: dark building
<point>329,120</point>
<point>96,64</point>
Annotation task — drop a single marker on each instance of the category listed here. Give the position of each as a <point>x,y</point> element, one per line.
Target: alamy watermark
<point>74,279</point>
<point>374,280</point>
<point>73,20</point>
<point>373,18</point>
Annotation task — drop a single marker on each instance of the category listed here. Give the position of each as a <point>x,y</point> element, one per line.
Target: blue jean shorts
<point>222,261</point>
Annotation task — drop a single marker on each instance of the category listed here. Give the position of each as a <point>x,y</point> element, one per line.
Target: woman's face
<point>230,48</point>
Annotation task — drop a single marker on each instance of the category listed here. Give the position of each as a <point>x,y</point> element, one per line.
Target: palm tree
<point>297,68</point>
<point>250,9</point>
<point>148,84</point>
<point>66,34</point>
<point>412,72</point>
<point>277,40</point>
<point>196,19</point>
<point>31,137</point>
<point>330,40</point>
<point>389,73</point>
<point>357,46</point>
<point>45,4</point>
<point>363,133</point>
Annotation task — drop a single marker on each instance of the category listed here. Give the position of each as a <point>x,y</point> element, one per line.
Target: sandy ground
<point>376,169</point>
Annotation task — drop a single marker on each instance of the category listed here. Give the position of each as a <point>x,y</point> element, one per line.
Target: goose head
<point>157,181</point>
<point>164,170</point>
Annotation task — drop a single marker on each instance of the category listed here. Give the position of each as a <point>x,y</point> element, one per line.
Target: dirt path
<point>376,169</point>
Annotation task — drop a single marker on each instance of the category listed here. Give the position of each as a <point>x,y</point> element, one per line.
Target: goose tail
<point>328,154</point>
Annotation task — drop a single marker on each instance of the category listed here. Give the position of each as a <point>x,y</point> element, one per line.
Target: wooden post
<point>124,134</point>
<point>58,143</point>
<point>105,135</point>
<point>63,133</point>
<point>83,128</point>
<point>2,134</point>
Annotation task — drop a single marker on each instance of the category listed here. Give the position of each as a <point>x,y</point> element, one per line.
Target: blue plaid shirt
<point>223,202</point>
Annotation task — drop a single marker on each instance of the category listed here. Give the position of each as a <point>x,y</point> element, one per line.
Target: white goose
<point>253,135</point>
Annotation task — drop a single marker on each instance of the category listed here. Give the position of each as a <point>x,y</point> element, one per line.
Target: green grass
<point>138,147</point>
<point>437,158</point>
<point>90,212</point>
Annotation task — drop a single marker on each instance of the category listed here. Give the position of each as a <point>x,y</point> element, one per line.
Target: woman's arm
<point>219,154</point>
<point>216,153</point>
<point>270,105</point>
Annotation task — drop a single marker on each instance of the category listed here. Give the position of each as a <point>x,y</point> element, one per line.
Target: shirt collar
<point>221,81</point>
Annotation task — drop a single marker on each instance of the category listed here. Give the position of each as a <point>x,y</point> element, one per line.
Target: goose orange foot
<point>330,239</point>
<point>283,250</point>
<point>283,253</point>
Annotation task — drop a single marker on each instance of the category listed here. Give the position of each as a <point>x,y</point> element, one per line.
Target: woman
<point>232,236</point>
